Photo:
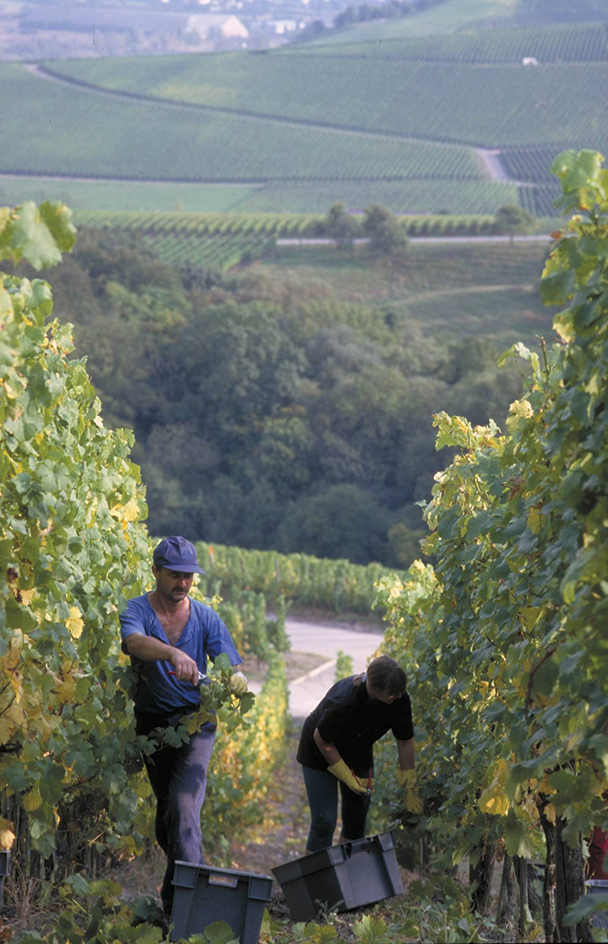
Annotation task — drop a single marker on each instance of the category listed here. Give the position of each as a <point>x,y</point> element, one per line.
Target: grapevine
<point>505,636</point>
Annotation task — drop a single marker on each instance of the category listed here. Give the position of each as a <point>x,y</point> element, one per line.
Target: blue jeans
<point>322,791</point>
<point>178,776</point>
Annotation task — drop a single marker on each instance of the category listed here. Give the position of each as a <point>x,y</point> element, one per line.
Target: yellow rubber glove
<point>238,683</point>
<point>408,780</point>
<point>343,772</point>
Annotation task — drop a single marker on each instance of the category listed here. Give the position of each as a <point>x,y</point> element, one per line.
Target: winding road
<point>324,640</point>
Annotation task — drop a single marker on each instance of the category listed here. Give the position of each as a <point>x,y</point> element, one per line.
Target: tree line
<point>271,415</point>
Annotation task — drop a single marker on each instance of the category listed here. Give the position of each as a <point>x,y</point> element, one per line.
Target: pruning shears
<point>201,676</point>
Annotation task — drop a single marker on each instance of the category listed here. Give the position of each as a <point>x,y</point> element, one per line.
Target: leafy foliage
<point>73,549</point>
<point>334,585</point>
<point>504,638</point>
<point>279,415</point>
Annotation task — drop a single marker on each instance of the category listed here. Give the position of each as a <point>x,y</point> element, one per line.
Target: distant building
<point>280,27</point>
<point>529,61</point>
<point>206,24</point>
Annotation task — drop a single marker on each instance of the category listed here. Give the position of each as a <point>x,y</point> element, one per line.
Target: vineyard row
<point>580,43</point>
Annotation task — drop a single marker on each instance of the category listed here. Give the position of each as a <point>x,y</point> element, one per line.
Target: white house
<point>280,27</point>
<point>229,26</point>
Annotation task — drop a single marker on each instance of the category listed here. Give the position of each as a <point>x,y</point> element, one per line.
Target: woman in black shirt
<point>336,746</point>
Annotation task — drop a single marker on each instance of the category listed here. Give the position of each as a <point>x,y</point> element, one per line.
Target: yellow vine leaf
<point>26,595</point>
<point>7,836</point>
<point>131,510</point>
<point>143,789</point>
<point>494,799</point>
<point>534,520</point>
<point>11,659</point>
<point>545,787</point>
<point>551,813</point>
<point>32,800</point>
<point>7,729</point>
<point>75,623</point>
<point>15,680</point>
<point>65,691</point>
<point>529,616</point>
<point>16,714</point>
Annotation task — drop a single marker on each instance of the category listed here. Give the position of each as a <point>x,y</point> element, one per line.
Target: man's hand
<point>238,683</point>
<point>186,669</point>
<point>408,780</point>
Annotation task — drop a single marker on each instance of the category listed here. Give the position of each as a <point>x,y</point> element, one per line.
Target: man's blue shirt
<point>204,635</point>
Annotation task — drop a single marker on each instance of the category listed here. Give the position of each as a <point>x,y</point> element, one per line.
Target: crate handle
<point>361,845</point>
<point>226,880</point>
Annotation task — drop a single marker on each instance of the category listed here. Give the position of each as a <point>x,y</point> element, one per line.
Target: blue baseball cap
<point>176,553</point>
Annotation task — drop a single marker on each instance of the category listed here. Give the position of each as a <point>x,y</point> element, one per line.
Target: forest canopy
<point>271,415</point>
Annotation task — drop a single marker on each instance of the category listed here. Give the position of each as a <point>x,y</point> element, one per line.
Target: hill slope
<point>446,122</point>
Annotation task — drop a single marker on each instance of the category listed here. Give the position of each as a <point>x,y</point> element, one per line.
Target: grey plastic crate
<point>598,886</point>
<point>342,877</point>
<point>203,894</point>
<point>5,865</point>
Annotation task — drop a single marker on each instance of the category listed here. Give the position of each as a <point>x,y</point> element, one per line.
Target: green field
<point>562,43</point>
<point>293,196</point>
<point>64,129</point>
<point>455,290</point>
<point>221,241</point>
<point>403,196</point>
<point>445,18</point>
<point>552,103</point>
<point>436,114</point>
<point>131,195</point>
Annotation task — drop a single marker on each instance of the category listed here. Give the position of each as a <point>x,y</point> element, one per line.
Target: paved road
<point>325,241</point>
<point>325,640</point>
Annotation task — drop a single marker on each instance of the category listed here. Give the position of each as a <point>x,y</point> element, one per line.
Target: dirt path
<point>282,835</point>
<point>470,290</point>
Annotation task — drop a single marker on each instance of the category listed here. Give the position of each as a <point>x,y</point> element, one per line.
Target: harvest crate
<point>342,877</point>
<point>204,894</point>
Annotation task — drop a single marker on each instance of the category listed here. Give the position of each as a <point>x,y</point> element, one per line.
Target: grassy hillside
<point>63,129</point>
<point>429,116</point>
<point>131,195</point>
<point>564,43</point>
<point>440,101</point>
<point>221,241</point>
<point>457,290</point>
<point>446,18</point>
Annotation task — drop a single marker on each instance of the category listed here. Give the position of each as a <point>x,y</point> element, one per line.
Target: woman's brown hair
<point>386,675</point>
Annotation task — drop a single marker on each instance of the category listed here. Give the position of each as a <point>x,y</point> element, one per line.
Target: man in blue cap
<point>169,637</point>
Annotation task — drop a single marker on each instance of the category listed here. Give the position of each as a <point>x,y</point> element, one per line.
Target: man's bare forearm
<point>153,650</point>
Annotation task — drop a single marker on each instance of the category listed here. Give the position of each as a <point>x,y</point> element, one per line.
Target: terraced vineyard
<point>435,114</point>
<point>529,164</point>
<point>403,196</point>
<point>539,200</point>
<point>441,101</point>
<point>210,241</point>
<point>220,241</point>
<point>584,43</point>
